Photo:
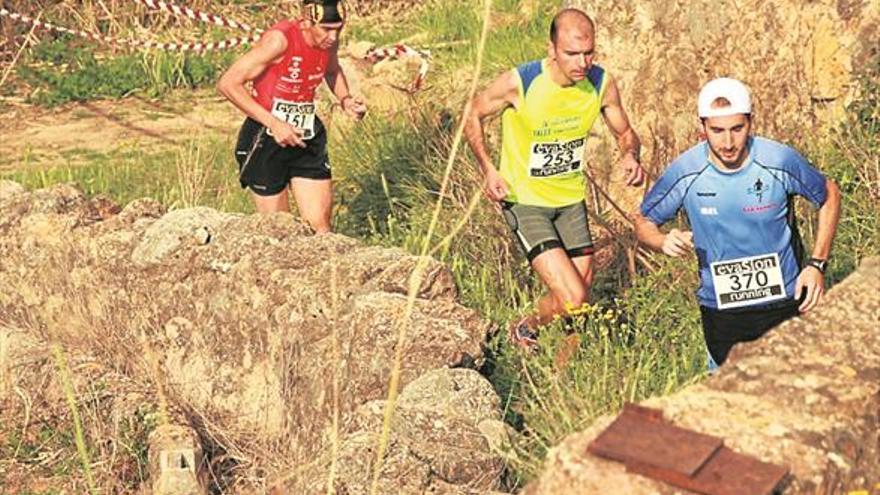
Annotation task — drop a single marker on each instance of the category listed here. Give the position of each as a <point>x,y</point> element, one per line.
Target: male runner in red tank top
<point>283,144</point>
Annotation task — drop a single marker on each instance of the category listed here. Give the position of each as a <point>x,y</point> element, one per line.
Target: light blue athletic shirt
<point>739,214</point>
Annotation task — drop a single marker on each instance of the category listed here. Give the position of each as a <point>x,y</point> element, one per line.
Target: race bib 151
<point>550,159</point>
<point>748,281</point>
<point>298,114</point>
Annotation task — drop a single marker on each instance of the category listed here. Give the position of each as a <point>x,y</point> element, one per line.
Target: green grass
<point>47,447</point>
<point>131,172</point>
<point>642,344</point>
<point>65,69</point>
<point>450,30</point>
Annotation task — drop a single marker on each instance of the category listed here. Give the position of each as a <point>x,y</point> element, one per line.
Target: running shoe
<point>523,336</point>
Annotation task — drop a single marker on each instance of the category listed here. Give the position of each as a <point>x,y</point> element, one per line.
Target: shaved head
<point>571,18</point>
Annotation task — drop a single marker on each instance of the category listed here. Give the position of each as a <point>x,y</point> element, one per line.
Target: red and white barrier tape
<point>197,15</point>
<point>373,55</point>
<point>400,50</point>
<point>195,46</point>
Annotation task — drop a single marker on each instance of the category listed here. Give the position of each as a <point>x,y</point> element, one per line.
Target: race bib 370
<point>748,281</point>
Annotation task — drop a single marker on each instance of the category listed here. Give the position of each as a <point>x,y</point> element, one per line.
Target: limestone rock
<point>246,322</point>
<point>10,189</point>
<point>435,443</point>
<point>798,59</point>
<point>802,396</point>
<point>180,227</point>
<point>176,461</point>
<point>384,85</point>
<point>359,49</point>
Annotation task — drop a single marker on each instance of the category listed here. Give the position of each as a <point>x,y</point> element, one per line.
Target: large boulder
<point>443,438</point>
<point>799,59</point>
<point>806,396</point>
<point>243,321</point>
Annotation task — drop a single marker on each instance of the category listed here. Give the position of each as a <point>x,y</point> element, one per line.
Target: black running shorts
<point>723,329</point>
<point>266,168</point>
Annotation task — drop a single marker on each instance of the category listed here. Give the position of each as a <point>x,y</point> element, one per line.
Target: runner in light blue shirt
<point>737,193</point>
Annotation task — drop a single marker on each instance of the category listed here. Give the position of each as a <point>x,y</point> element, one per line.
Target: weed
<point>65,69</point>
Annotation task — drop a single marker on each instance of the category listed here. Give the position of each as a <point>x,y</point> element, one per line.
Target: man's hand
<point>495,187</point>
<point>635,175</point>
<point>286,134</point>
<point>812,281</point>
<point>354,107</point>
<point>677,243</point>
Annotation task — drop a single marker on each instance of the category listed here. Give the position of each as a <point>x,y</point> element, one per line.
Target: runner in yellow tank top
<point>548,108</point>
<point>544,136</point>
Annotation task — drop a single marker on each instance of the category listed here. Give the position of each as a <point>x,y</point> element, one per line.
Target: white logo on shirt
<point>708,210</point>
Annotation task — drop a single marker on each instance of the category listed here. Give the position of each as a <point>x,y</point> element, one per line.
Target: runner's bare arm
<point>676,243</point>
<point>498,95</point>
<point>352,105</point>
<point>810,278</point>
<point>829,216</point>
<point>627,139</point>
<point>247,68</point>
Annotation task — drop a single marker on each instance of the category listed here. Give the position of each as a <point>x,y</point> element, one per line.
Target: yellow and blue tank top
<point>543,140</point>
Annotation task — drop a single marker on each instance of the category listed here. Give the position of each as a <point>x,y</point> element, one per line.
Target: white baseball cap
<point>731,90</point>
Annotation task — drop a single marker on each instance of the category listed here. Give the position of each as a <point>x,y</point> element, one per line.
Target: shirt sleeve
<point>802,178</point>
<point>665,198</point>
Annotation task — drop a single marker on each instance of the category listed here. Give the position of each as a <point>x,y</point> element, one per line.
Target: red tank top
<point>296,76</point>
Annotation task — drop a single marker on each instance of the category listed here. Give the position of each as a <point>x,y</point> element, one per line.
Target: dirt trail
<point>38,136</point>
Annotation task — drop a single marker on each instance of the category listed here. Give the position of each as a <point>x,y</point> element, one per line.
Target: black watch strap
<point>818,264</point>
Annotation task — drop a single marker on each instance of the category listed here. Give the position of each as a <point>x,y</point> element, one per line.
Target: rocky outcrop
<point>799,59</point>
<point>805,396</point>
<point>438,441</point>
<point>249,324</point>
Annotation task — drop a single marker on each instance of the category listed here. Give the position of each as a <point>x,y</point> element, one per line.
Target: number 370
<point>748,280</point>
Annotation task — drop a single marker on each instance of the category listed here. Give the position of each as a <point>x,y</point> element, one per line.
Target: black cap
<point>324,11</point>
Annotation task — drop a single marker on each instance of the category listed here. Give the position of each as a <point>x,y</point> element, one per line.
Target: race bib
<point>550,159</point>
<point>748,281</point>
<point>298,114</point>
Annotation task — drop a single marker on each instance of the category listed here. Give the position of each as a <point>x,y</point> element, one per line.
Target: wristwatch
<point>818,264</point>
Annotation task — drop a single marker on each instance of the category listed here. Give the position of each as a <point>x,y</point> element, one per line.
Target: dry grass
<point>416,278</point>
<point>193,173</point>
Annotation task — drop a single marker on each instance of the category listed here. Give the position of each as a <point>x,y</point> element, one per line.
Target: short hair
<point>720,102</point>
<point>564,13</point>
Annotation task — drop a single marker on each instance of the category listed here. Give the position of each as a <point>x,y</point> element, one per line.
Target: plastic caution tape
<point>195,46</point>
<point>197,15</point>
<point>373,55</point>
<point>400,50</point>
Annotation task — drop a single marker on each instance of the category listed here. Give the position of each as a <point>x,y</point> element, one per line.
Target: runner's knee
<point>318,221</point>
<point>320,228</point>
<point>587,276</point>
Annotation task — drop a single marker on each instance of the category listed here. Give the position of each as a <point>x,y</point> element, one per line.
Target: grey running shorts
<point>538,229</point>
<point>266,168</point>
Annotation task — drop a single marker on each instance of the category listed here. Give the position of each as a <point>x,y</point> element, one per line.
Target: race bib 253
<point>551,159</point>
